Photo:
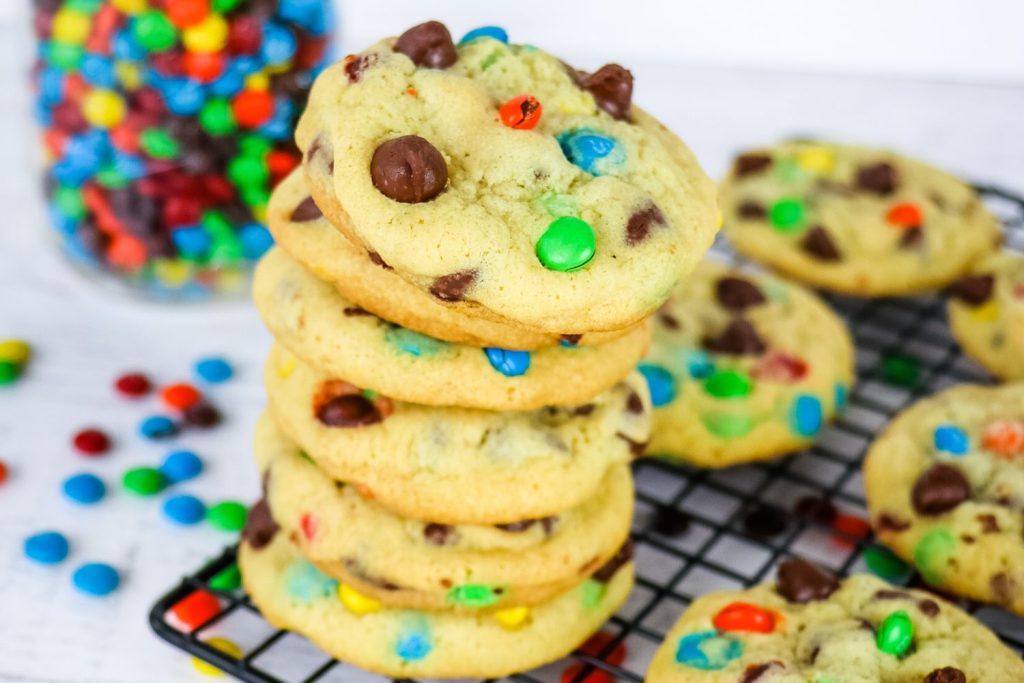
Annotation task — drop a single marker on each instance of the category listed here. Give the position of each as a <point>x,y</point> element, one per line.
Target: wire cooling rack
<point>696,530</point>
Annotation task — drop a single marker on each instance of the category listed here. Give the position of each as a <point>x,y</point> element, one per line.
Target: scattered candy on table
<point>180,396</point>
<point>214,370</point>
<point>227,579</point>
<point>900,370</point>
<point>96,579</point>
<point>184,509</point>
<point>133,385</point>
<point>158,427</point>
<point>222,645</point>
<point>47,547</point>
<point>181,466</point>
<point>4,472</point>
<point>227,516</point>
<point>196,609</point>
<point>14,355</point>
<point>144,481</point>
<point>84,488</point>
<point>91,441</point>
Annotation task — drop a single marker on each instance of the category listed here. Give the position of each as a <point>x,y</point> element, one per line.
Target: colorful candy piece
<point>660,383</point>
<point>744,617</point>
<point>197,608</point>
<point>951,439</point>
<point>47,547</point>
<point>905,215</point>
<point>356,602</point>
<point>474,595</point>
<point>158,427</point>
<point>807,416</point>
<point>181,466</point>
<point>180,396</point>
<point>494,32</point>
<point>932,553</point>
<point>184,509</point>
<point>787,215</point>
<point>227,579</point>
<point>84,488</point>
<point>306,583</point>
<point>512,618</point>
<point>896,634</point>
<point>508,363</point>
<point>143,481</point>
<point>900,370</point>
<point>707,650</point>
<point>91,441</point>
<point>594,152</point>
<point>96,579</point>
<point>1004,437</point>
<point>884,564</point>
<point>227,515</point>
<point>568,244</point>
<point>521,112</point>
<point>414,644</point>
<point>728,384</point>
<point>4,472</point>
<point>133,385</point>
<point>222,645</point>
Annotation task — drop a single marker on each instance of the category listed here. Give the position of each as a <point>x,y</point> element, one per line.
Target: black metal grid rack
<point>695,530</point>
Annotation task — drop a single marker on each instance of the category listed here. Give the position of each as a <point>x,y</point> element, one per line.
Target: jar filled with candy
<point>165,124</point>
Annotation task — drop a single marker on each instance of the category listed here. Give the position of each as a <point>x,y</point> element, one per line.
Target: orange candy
<point>742,616</point>
<point>521,112</point>
<point>180,396</point>
<point>1004,437</point>
<point>905,215</point>
<point>253,108</point>
<point>195,610</point>
<point>281,163</point>
<point>184,13</point>
<point>204,67</point>
<point>850,528</point>
<point>308,525</point>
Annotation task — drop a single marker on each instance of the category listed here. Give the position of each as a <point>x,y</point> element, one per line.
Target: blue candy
<point>214,370</point>
<point>98,70</point>
<point>309,14</point>
<point>183,96</point>
<point>841,395</point>
<point>47,547</point>
<point>158,427</point>
<point>229,83</point>
<point>279,44</point>
<point>707,650</point>
<point>64,223</point>
<point>192,241</point>
<point>699,364</point>
<point>96,579</point>
<point>181,466</point>
<point>51,85</point>
<point>807,417</point>
<point>593,152</point>
<point>126,48</point>
<point>951,439</point>
<point>84,488</point>
<point>255,239</point>
<point>413,646</point>
<point>130,166</point>
<point>495,32</point>
<point>660,382</point>
<point>412,342</point>
<point>306,583</point>
<point>508,363</point>
<point>184,509</point>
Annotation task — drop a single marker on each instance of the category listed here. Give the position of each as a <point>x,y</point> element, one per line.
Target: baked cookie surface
<point>743,367</point>
<point>945,491</point>
<point>861,221</point>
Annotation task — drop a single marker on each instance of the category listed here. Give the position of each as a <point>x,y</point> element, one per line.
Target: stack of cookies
<point>466,264</point>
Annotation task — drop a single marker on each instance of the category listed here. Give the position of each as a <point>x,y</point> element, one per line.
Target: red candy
<point>905,215</point>
<point>125,252</point>
<point>521,112</point>
<point>197,609</point>
<point>91,442</point>
<point>308,525</point>
<point>253,108</point>
<point>133,385</point>
<point>598,642</point>
<point>3,471</point>
<point>281,163</point>
<point>572,675</point>
<point>204,67</point>
<point>1004,437</point>
<point>742,616</point>
<point>850,528</point>
<point>125,138</point>
<point>777,366</point>
<point>244,35</point>
<point>180,396</point>
<point>182,210</point>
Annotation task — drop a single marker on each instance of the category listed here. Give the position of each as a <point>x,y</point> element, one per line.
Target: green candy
<point>223,6</point>
<point>144,481</point>
<point>931,554</point>
<point>228,515</point>
<point>65,57</point>
<point>728,384</point>
<point>728,425</point>
<point>900,370</point>
<point>89,7</point>
<point>109,177</point>
<point>567,244</point>
<point>8,372</point>
<point>254,145</point>
<point>593,592</point>
<point>216,117</point>
<point>227,579</point>
<point>154,31</point>
<point>217,224</point>
<point>159,144</point>
<point>248,171</point>
<point>69,201</point>
<point>788,171</point>
<point>225,251</point>
<point>473,595</point>
<point>882,563</point>
<point>896,634</point>
<point>255,196</point>
<point>787,214</point>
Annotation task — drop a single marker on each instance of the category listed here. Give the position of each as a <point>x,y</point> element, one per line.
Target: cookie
<point>457,465</point>
<point>810,627</point>
<point>329,332</point>
<point>300,229</point>
<point>411,563</point>
<point>864,222</point>
<point>743,367</point>
<point>945,489</point>
<point>986,314</point>
<point>293,594</point>
<point>577,213</point>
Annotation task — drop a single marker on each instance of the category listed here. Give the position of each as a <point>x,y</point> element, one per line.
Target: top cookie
<point>499,180</point>
<point>860,221</point>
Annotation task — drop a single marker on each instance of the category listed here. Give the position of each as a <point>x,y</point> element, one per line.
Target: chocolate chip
<point>355,311</point>
<point>307,210</point>
<point>640,223</point>
<point>634,404</point>
<point>737,293</point>
<point>1003,587</point>
<point>260,526</point>
<point>668,321</point>
<point>428,44</point>
<point>636,448</point>
<point>939,489</point>
<point>751,210</point>
<point>816,509</point>
<point>738,339</point>
<point>571,339</point>
<point>946,674</point>
<point>607,571</point>
<point>819,244</point>
<point>517,527</point>
<point>752,162</point>
<point>612,88</point>
<point>911,238</point>
<point>350,410</point>
<point>355,65</point>
<point>928,607</point>
<point>765,521</point>
<point>358,571</point>
<point>453,287</point>
<point>989,524</point>
<point>202,415</point>
<point>973,289</point>
<point>879,178</point>
<point>316,148</point>
<point>887,522</point>
<point>755,672</point>
<point>800,581</point>
<point>668,521</point>
<point>375,257</point>
<point>438,534</point>
<point>584,410</point>
<point>408,169</point>
<point>889,594</point>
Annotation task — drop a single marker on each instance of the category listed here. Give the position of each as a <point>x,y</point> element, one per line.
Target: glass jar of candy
<point>165,124</point>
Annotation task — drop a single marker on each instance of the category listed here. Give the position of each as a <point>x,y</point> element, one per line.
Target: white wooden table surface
<point>83,337</point>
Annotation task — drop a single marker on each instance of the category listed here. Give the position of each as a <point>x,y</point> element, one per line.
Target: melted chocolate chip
<point>315,149</point>
<point>973,289</point>
<point>607,571</point>
<point>571,339</point>
<point>911,238</point>
<point>636,448</point>
<point>307,210</point>
<point>989,524</point>
<point>375,257</point>
<point>750,163</point>
<point>751,210</point>
<point>819,244</point>
<point>737,293</point>
<point>640,223</point>
<point>765,521</point>
<point>408,169</point>
<point>350,410</point>
<point>800,581</point>
<point>738,339</point>
<point>355,65</point>
<point>756,672</point>
<point>260,527</point>
<point>1004,588</point>
<point>946,674</point>
<point>517,527</point>
<point>668,521</point>
<point>202,415</point>
<point>584,410</point>
<point>668,321</point>
<point>428,44</point>
<point>612,88</point>
<point>879,178</point>
<point>887,522</point>
<point>928,607</point>
<point>355,311</point>
<point>816,509</point>
<point>438,534</point>
<point>634,404</point>
<point>939,489</point>
<point>889,594</point>
<point>453,287</point>
<point>358,571</point>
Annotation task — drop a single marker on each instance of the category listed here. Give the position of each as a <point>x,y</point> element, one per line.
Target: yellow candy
<point>71,27</point>
<point>209,35</point>
<point>128,75</point>
<point>14,351</point>
<point>259,213</point>
<point>513,617</point>
<point>820,160</point>
<point>103,108</point>
<point>172,273</point>
<point>356,602</point>
<point>221,645</point>
<point>130,7</point>
<point>257,81</point>
<point>286,368</point>
<point>987,312</point>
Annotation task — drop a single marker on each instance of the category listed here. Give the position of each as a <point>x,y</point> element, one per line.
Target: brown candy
<point>260,526</point>
<point>747,164</point>
<point>738,339</point>
<point>453,287</point>
<point>307,210</point>
<point>202,415</point>
<point>612,88</point>
<point>408,169</point>
<point>939,489</point>
<point>879,178</point>
<point>946,674</point>
<point>818,244</point>
<point>737,293</point>
<point>640,223</point>
<point>973,289</point>
<point>800,581</point>
<point>428,44</point>
<point>349,410</point>
<point>606,572</point>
